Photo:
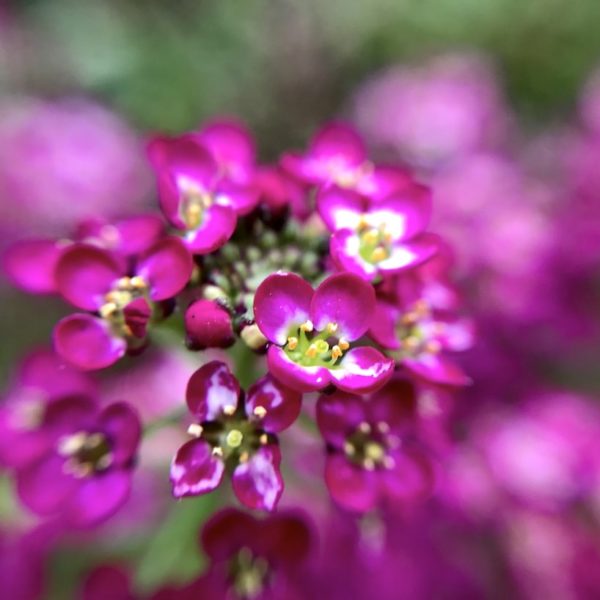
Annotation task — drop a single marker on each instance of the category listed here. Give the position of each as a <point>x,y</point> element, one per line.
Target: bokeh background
<point>118,70</point>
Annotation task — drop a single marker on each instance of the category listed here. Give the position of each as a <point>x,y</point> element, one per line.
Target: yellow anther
<point>371,236</point>
<point>379,254</point>
<point>138,282</point>
<point>307,326</point>
<point>234,438</point>
<point>343,344</point>
<point>364,427</point>
<point>217,451</point>
<point>312,351</point>
<point>349,448</point>
<point>104,462</point>
<point>124,283</point>
<point>71,444</point>
<point>292,342</point>
<point>263,439</point>
<point>421,307</point>
<point>336,352</point>
<point>411,342</point>
<point>107,309</point>
<point>332,327</point>
<point>362,222</point>
<point>433,346</point>
<point>244,457</point>
<point>260,411</point>
<point>409,318</point>
<point>195,430</point>
<point>229,409</point>
<point>369,464</point>
<point>94,440</point>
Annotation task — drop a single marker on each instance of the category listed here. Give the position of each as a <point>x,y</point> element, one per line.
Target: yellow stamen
<point>69,445</point>
<point>292,342</point>
<point>379,254</point>
<point>104,462</point>
<point>433,346</point>
<point>371,236</point>
<point>124,283</point>
<point>229,409</point>
<point>138,282</point>
<point>234,438</point>
<point>369,464</point>
<point>364,427</point>
<point>383,427</point>
<point>312,351</point>
<point>307,326</point>
<point>195,430</point>
<point>107,309</point>
<point>411,342</point>
<point>217,451</point>
<point>374,451</point>
<point>332,327</point>
<point>244,457</point>
<point>349,448</point>
<point>343,344</point>
<point>263,439</point>
<point>259,411</point>
<point>336,352</point>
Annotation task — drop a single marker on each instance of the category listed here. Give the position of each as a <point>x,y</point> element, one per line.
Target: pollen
<point>138,282</point>
<point>433,346</point>
<point>229,409</point>
<point>379,254</point>
<point>106,310</point>
<point>244,457</point>
<point>217,451</point>
<point>374,451</point>
<point>307,326</point>
<point>263,439</point>
<point>364,427</point>
<point>371,237</point>
<point>292,343</point>
<point>195,430</point>
<point>234,438</point>
<point>336,352</point>
<point>312,351</point>
<point>332,327</point>
<point>343,344</point>
<point>349,448</point>
<point>260,411</point>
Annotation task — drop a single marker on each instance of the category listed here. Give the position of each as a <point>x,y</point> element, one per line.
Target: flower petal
<point>98,497</point>
<point>410,253</point>
<point>218,225</point>
<point>227,532</point>
<point>383,325</point>
<point>211,390</point>
<point>241,198</point>
<point>195,470</point>
<point>121,423</point>
<point>84,274</point>
<point>338,415</point>
<point>339,208</point>
<point>302,379</point>
<point>346,300</point>
<point>282,404</point>
<point>410,478</point>
<point>137,316</point>
<point>87,342</point>
<point>350,486</point>
<point>137,234</point>
<point>384,180</point>
<point>30,265</point>
<point>338,140</point>
<point>438,369</point>
<point>257,483</point>
<point>362,370</point>
<point>167,267</point>
<point>344,248</point>
<point>281,303</point>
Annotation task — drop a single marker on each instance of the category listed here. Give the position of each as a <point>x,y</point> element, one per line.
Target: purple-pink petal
<point>362,370</point>
<point>346,300</point>
<point>211,390</point>
<point>120,422</point>
<point>410,478</point>
<point>137,316</point>
<point>338,140</point>
<point>84,274</point>
<point>242,198</point>
<point>383,325</point>
<point>195,470</point>
<point>282,404</point>
<point>297,377</point>
<point>137,234</point>
<point>344,247</point>
<point>217,226</point>
<point>338,415</point>
<point>350,486</point>
<point>257,483</point>
<point>87,342</point>
<point>282,302</point>
<point>437,368</point>
<point>98,497</point>
<point>410,253</point>
<point>166,267</point>
<point>30,265</point>
<point>340,208</point>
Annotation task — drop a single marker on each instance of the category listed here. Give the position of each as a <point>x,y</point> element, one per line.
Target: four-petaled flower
<point>373,454</point>
<point>234,431</point>
<point>375,238</point>
<point>84,473</point>
<point>96,280</point>
<point>312,333</point>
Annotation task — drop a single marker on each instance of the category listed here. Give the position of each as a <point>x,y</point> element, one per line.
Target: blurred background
<point>495,103</point>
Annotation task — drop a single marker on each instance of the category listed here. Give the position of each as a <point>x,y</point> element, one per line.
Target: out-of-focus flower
<point>373,455</point>
<point>434,113</point>
<point>84,474</point>
<point>375,238</point>
<point>94,279</point>
<point>234,431</point>
<point>312,332</point>
<point>207,325</point>
<point>205,181</point>
<point>64,161</point>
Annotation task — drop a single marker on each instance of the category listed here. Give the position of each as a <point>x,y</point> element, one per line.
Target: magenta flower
<point>337,156</point>
<point>201,193</point>
<point>30,264</point>
<point>95,280</point>
<point>234,431</point>
<point>208,325</point>
<point>312,332</point>
<point>253,558</point>
<point>373,455</point>
<point>374,238</point>
<point>84,475</point>
<point>421,338</point>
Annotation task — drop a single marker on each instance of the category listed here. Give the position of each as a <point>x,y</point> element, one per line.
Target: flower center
<point>418,332</point>
<point>311,348</point>
<point>368,446</point>
<point>249,574</point>
<point>124,291</point>
<point>194,201</point>
<point>345,176</point>
<point>86,453</point>
<point>374,242</point>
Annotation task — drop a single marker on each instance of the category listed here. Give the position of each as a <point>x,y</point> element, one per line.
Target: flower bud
<point>207,325</point>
